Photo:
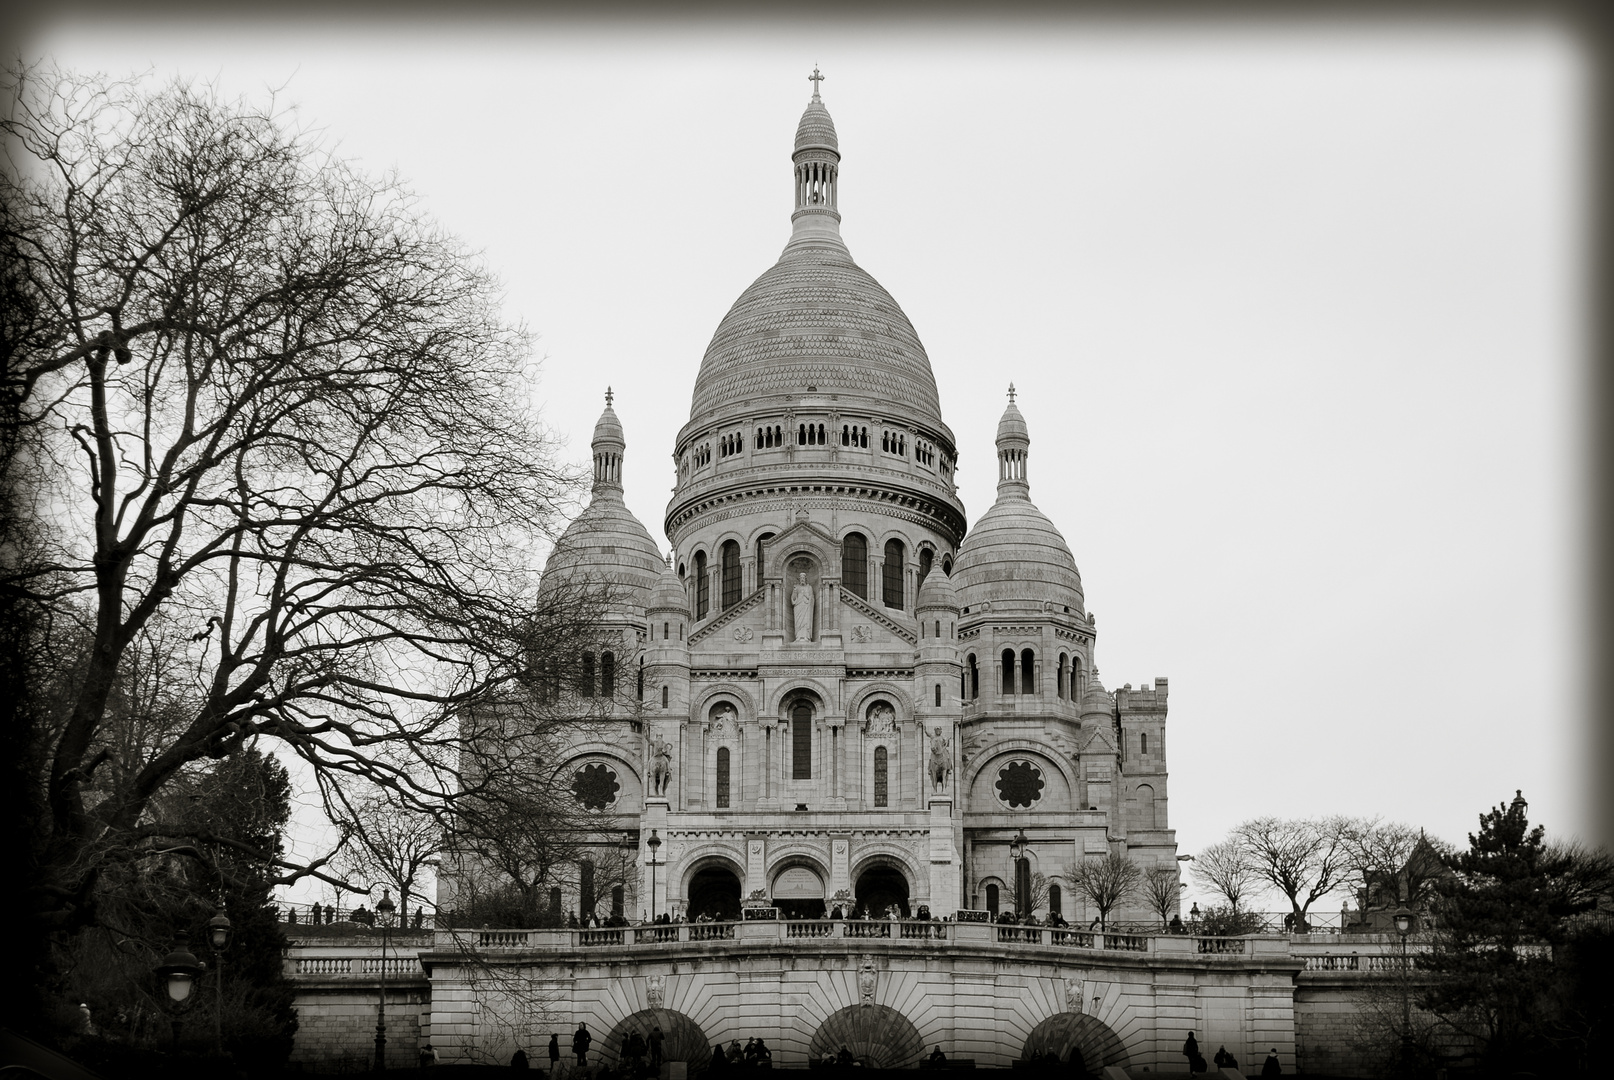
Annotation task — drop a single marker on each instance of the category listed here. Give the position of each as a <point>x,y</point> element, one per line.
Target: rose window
<point>1019,784</point>
<point>595,786</point>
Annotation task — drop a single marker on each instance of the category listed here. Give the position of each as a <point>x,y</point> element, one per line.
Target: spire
<point>817,165</point>
<point>1014,446</point>
<point>608,444</point>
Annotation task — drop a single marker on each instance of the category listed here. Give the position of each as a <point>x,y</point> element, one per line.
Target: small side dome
<point>669,594</point>
<point>936,592</point>
<point>816,130</point>
<point>1097,699</point>
<point>1013,424</point>
<point>608,429</point>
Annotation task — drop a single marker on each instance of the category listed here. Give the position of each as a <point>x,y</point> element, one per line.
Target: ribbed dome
<point>669,593</point>
<point>937,591</point>
<point>606,544</point>
<point>1014,555</point>
<point>817,323</point>
<point>1013,424</point>
<point>816,130</point>
<point>608,429</point>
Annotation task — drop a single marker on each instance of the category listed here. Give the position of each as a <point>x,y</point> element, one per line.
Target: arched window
<point>554,903</point>
<point>663,697</point>
<point>992,898</point>
<point>760,571</point>
<point>801,434</point>
<point>801,741</point>
<point>607,675</point>
<point>1077,683</point>
<point>947,565</point>
<point>703,586</point>
<point>1008,672</point>
<point>1143,742</point>
<point>1028,672</point>
<point>585,675</point>
<point>730,555</point>
<point>855,564</point>
<point>1146,806</point>
<point>639,690</point>
<point>1056,900</point>
<point>891,585</point>
<point>926,556</point>
<point>1064,663</point>
<point>975,680</point>
<point>881,776</point>
<point>938,695</point>
<point>722,776</point>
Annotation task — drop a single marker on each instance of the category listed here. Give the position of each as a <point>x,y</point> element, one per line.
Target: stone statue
<point>941,762</point>
<point>801,608</point>
<point>661,764</point>
<point>882,719</point>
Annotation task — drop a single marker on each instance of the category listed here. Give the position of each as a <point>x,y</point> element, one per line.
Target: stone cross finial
<point>1011,393</point>
<point>608,395</point>
<point>815,78</point>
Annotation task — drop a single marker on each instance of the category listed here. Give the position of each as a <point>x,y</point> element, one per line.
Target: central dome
<point>817,323</point>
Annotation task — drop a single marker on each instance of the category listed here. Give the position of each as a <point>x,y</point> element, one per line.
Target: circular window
<point>1019,784</point>
<point>595,786</point>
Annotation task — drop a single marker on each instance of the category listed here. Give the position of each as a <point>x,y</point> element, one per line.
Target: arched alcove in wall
<point>1099,1044</point>
<point>682,1038</point>
<point>878,1036</point>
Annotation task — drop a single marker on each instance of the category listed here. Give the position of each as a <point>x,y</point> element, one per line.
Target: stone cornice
<point>719,621</point>
<point>932,508</point>
<point>869,611</point>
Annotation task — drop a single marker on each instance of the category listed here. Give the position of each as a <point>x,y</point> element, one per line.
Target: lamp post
<point>1022,874</point>
<point>1404,921</point>
<point>384,910</point>
<point>179,970</point>
<point>652,845</point>
<point>218,935</point>
<point>1193,917</point>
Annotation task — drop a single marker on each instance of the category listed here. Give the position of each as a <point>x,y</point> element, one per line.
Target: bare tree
<point>1391,862</point>
<point>386,842</point>
<point>1304,859</point>
<point>1161,889</point>
<point>1226,869</point>
<point>278,416</point>
<point>1105,882</point>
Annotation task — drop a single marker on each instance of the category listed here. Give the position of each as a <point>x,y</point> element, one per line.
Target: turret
<point>936,609</point>
<point>667,646</point>
<point>817,163</point>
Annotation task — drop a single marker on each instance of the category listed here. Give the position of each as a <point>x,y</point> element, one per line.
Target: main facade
<point>832,693</point>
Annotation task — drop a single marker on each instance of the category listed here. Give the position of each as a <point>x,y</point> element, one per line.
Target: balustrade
<point>325,965</point>
<point>813,928</point>
<point>588,938</point>
<point>1127,942</point>
<point>1071,939</point>
<point>1221,946</point>
<point>711,931</point>
<point>502,939</point>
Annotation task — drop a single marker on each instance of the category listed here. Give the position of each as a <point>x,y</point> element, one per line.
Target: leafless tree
<point>278,418</point>
<point>386,843</point>
<point>1161,889</point>
<point>1226,869</point>
<point>1105,882</point>
<point>1305,859</point>
<point>1391,862</point>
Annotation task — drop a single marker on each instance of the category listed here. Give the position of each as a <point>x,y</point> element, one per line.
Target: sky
<point>1295,314</point>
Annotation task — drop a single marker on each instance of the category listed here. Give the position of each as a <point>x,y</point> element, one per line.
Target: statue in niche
<point>882,719</point>
<point>801,608</point>
<point>940,759</point>
<point>661,764</point>
<point>725,721</point>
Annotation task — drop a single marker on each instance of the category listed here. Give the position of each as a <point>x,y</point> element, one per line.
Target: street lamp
<point>179,970</point>
<point>1022,874</point>
<point>1404,923</point>
<point>218,935</point>
<point>384,911</point>
<point>652,845</point>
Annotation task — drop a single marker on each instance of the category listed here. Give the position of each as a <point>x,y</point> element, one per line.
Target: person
<point>845,1058</point>
<point>937,1057</point>
<point>656,1039</point>
<point>1270,1067</point>
<point>580,1043</point>
<point>1231,1063</point>
<point>751,1050</point>
<point>571,920</point>
<point>1221,1057</point>
<point>836,913</point>
<point>1078,1061</point>
<point>764,1055</point>
<point>427,1056</point>
<point>554,1053</point>
<point>1177,926</point>
<point>633,1048</point>
<point>1190,1050</point>
<point>719,1059</point>
<point>518,1060</point>
<point>736,1055</point>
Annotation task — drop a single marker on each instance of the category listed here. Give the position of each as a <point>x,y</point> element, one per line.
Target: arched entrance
<point>798,893</point>
<point>881,887</point>
<point>714,890</point>
<point>878,1036</point>
<point>682,1038</point>
<point>1096,1045</point>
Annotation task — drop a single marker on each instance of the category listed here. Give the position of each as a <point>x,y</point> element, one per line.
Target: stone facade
<point>852,702</point>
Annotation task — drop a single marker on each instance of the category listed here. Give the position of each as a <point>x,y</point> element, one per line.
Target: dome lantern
<point>608,444</point>
<point>1014,446</point>
<point>817,163</point>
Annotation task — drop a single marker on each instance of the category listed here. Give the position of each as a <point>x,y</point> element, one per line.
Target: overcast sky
<point>1294,314</point>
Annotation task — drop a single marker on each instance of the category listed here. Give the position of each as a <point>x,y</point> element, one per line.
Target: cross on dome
<point>608,395</point>
<point>1011,394</point>
<point>815,78</point>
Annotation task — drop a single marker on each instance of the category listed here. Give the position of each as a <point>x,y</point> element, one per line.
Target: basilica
<point>834,692</point>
